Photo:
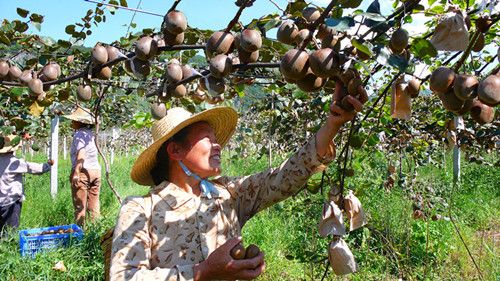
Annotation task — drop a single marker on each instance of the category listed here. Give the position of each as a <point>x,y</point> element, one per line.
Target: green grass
<point>393,245</point>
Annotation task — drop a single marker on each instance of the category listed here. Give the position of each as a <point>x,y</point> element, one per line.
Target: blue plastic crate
<point>32,241</point>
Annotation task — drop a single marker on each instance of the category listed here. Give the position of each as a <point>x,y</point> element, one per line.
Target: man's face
<point>202,152</point>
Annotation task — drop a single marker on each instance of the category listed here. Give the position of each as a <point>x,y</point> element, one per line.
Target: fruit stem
<point>176,2</point>
<point>236,17</point>
<point>461,61</point>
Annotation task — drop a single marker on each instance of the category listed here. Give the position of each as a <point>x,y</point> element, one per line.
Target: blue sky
<point>206,14</point>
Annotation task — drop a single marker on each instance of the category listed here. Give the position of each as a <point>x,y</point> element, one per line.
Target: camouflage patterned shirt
<point>162,236</point>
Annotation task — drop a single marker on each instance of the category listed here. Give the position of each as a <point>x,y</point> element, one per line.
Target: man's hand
<point>220,265</point>
<point>75,177</point>
<point>338,116</point>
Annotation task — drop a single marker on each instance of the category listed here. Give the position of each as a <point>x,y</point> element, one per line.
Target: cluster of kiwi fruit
<point>239,252</point>
<point>173,28</point>
<point>483,24</point>
<point>462,93</point>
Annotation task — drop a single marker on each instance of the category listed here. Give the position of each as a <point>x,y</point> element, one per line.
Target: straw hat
<point>81,115</point>
<point>7,144</point>
<point>222,120</point>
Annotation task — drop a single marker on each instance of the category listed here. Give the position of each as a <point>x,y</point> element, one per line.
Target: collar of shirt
<point>176,196</point>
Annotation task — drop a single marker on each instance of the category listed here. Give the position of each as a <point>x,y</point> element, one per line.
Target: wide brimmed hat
<point>81,115</point>
<point>7,144</point>
<point>222,120</point>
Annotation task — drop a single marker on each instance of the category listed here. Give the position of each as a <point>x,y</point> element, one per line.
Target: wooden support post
<point>54,151</point>
<point>65,148</point>
<point>459,125</point>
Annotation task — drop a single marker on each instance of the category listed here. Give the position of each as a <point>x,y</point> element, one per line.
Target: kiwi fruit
<point>84,92</point>
<point>324,30</point>
<point>137,67</point>
<point>311,14</point>
<point>104,73</point>
<point>466,106</point>
<point>310,82</point>
<point>26,76</point>
<point>250,40</point>
<point>99,54</point>
<point>14,72</point>
<point>479,44</point>
<point>324,62</point>
<point>347,75</point>
<point>399,40</point>
<point>174,72</point>
<point>442,79</point>
<point>146,48</point>
<point>173,39</point>
<point>36,86</point>
<point>450,101</point>
<point>212,84</point>
<point>465,86</point>
<point>302,36</point>
<point>350,3</point>
<point>4,68</point>
<point>198,95</point>
<point>238,252</point>
<point>482,113</point>
<point>175,22</point>
<point>294,64</point>
<point>353,85</point>
<point>252,251</point>
<point>483,23</point>
<point>178,91</point>
<point>219,43</point>
<point>220,65</point>
<point>413,88</point>
<point>187,71</point>
<point>488,90</point>
<point>50,71</point>
<point>113,53</point>
<point>248,57</point>
<point>287,32</point>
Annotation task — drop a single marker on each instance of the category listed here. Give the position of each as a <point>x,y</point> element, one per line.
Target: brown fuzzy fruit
<point>84,92</point>
<point>238,252</point>
<point>466,107</point>
<point>36,86</point>
<point>104,73</point>
<point>310,83</point>
<point>146,48</point>
<point>450,101</point>
<point>287,32</point>
<point>158,110</point>
<point>252,251</point>
<point>483,23</point>
<point>4,68</point>
<point>294,64</point>
<point>212,84</point>
<point>178,91</point>
<point>26,76</point>
<point>175,22</point>
<point>413,88</point>
<point>246,57</point>
<point>219,43</point>
<point>479,45</point>
<point>311,14</point>
<point>330,41</point>
<point>99,54</point>
<point>347,75</point>
<point>173,39</point>
<point>324,62</point>
<point>353,85</point>
<point>325,30</point>
<point>187,71</point>
<point>51,71</point>
<point>482,113</point>
<point>14,72</point>
<point>465,86</point>
<point>174,72</point>
<point>488,90</point>
<point>220,66</point>
<point>139,68</point>
<point>113,53</point>
<point>442,79</point>
<point>250,40</point>
<point>302,36</point>
<point>399,40</point>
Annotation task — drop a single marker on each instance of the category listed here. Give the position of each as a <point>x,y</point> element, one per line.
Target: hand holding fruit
<point>220,264</point>
<point>345,105</point>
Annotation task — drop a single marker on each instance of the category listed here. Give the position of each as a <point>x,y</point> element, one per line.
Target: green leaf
<point>15,141</point>
<point>373,16</point>
<point>363,47</point>
<point>36,18</point>
<point>4,39</point>
<point>37,25</point>
<point>342,24</point>
<point>20,26</point>
<point>63,43</point>
<point>123,3</point>
<point>423,48</point>
<point>22,12</point>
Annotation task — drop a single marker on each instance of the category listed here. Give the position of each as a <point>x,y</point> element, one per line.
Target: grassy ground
<point>393,245</point>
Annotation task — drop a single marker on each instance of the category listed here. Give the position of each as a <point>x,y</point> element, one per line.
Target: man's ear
<point>175,151</point>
